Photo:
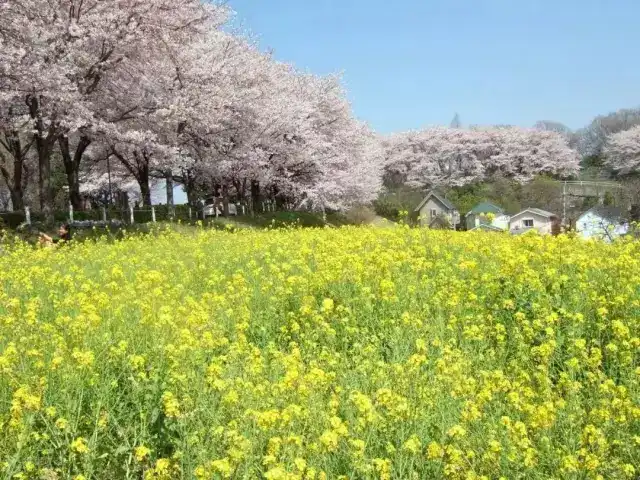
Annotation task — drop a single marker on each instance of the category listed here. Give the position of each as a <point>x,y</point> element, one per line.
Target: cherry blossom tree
<point>15,164</point>
<point>350,174</point>
<point>105,188</point>
<point>55,56</point>
<point>553,126</point>
<point>440,155</point>
<point>220,81</point>
<point>592,139</point>
<point>445,156</point>
<point>525,153</point>
<point>265,127</point>
<point>161,87</point>
<point>573,138</point>
<point>313,148</point>
<point>622,151</point>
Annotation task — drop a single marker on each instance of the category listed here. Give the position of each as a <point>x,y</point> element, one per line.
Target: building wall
<point>500,221</point>
<point>590,225</point>
<point>540,222</point>
<point>472,221</point>
<point>432,204</point>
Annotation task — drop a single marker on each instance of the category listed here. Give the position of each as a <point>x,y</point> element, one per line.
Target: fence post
<point>153,214</point>
<point>131,218</point>
<point>104,214</point>
<point>70,212</point>
<point>27,215</point>
<point>189,213</point>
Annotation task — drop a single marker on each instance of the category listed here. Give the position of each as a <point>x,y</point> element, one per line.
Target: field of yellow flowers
<point>349,353</point>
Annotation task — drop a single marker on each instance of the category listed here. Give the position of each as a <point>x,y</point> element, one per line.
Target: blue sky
<point>411,63</point>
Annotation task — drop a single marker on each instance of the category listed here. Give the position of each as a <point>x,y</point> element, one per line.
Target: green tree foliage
<point>608,198</point>
<point>399,199</point>
<point>501,191</point>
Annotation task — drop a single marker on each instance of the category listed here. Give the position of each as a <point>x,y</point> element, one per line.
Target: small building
<point>486,213</point>
<point>435,211</point>
<point>532,219</point>
<point>603,222</point>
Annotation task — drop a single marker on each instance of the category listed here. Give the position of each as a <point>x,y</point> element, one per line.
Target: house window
<point>434,213</point>
<point>528,223</point>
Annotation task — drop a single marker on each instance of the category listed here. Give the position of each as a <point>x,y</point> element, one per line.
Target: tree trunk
<point>191,199</point>
<point>17,182</point>
<point>140,171</point>
<point>237,187</point>
<point>142,176</point>
<point>255,196</point>
<point>145,189</point>
<point>124,201</point>
<point>189,187</point>
<point>225,200</point>
<point>15,189</point>
<point>44,139</point>
<point>17,199</point>
<point>243,197</point>
<point>169,186</point>
<point>44,184</point>
<point>72,167</point>
<point>243,190</point>
<point>14,182</point>
<point>17,192</point>
<point>278,198</point>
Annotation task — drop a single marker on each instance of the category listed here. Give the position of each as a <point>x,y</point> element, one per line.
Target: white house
<point>532,219</point>
<point>435,208</point>
<point>602,222</point>
<point>487,216</point>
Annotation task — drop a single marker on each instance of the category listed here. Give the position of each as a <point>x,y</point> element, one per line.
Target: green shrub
<point>360,215</point>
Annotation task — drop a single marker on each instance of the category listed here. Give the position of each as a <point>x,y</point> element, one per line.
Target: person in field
<point>64,236</point>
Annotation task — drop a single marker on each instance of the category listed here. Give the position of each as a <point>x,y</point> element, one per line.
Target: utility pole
<point>564,202</point>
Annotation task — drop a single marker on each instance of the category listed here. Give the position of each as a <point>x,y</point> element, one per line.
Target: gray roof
<point>441,198</point>
<point>607,212</point>
<point>538,211</point>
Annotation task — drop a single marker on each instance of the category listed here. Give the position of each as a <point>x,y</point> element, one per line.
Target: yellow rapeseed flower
<point>312,353</point>
<point>80,445</point>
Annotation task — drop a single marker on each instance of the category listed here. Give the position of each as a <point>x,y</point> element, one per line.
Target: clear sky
<point>413,63</point>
